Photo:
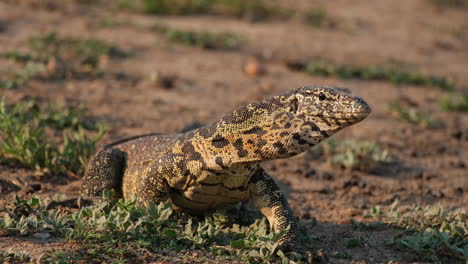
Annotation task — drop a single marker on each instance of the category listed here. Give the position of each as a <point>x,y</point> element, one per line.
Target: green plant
<point>316,16</point>
<point>89,50</point>
<point>205,40</point>
<point>55,57</point>
<point>247,9</point>
<point>413,115</point>
<point>18,56</point>
<point>23,132</point>
<point>354,242</point>
<point>432,245</point>
<point>437,234</point>
<point>451,3</point>
<point>13,79</point>
<point>30,216</point>
<point>352,154</point>
<point>116,229</point>
<point>11,256</point>
<point>373,73</point>
<point>454,102</point>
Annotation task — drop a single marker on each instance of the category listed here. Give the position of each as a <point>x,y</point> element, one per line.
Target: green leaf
<point>170,233</point>
<point>240,244</point>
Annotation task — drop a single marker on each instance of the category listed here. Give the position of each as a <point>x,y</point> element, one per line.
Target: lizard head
<point>316,113</point>
<point>329,104</point>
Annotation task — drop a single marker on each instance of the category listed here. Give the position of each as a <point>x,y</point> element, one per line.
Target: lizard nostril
<point>366,107</point>
<point>363,106</point>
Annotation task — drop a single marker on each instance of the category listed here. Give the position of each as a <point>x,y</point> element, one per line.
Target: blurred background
<point>77,74</point>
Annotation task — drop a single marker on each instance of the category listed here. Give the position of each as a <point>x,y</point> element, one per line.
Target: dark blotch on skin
<point>219,161</point>
<point>236,117</point>
<point>299,139</point>
<point>255,130</point>
<point>276,126</point>
<point>284,134</point>
<point>324,120</point>
<point>313,126</point>
<point>183,168</point>
<point>280,147</point>
<point>219,142</point>
<point>207,132</point>
<point>258,176</point>
<point>261,143</point>
<point>190,152</point>
<point>239,145</point>
<point>259,153</point>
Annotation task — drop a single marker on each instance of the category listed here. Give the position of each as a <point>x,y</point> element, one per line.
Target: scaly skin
<point>218,164</point>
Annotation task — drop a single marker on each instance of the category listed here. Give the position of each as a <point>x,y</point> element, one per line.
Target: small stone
<point>351,212</point>
<point>298,171</point>
<point>327,176</point>
<point>352,182</point>
<point>310,173</point>
<point>32,188</point>
<point>306,215</point>
<point>254,68</point>
<point>163,80</point>
<point>52,65</point>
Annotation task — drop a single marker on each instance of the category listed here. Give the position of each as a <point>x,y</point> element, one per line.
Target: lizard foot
<point>308,256</point>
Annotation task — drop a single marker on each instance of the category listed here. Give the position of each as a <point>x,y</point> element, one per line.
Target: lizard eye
<point>321,97</point>
<point>294,105</point>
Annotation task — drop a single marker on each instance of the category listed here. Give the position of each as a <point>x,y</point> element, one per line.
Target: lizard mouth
<point>346,115</point>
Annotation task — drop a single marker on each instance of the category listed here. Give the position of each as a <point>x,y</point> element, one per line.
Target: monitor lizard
<point>218,164</point>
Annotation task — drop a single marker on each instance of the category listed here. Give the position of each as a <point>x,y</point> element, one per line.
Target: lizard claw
<point>308,256</point>
<point>318,257</point>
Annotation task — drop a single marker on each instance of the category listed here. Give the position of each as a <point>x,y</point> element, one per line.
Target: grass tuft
<point>354,155</point>
<point>454,102</point>
<point>451,3</point>
<point>11,256</point>
<point>118,229</point>
<point>373,73</point>
<point>436,234</point>
<point>315,16</point>
<point>358,241</point>
<point>24,130</point>
<point>12,79</point>
<point>54,57</point>
<point>435,246</point>
<point>204,40</point>
<point>414,116</point>
<point>252,10</point>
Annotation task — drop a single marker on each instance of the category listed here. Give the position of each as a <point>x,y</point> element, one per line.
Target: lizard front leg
<point>272,203</point>
<point>104,171</point>
<point>152,187</point>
